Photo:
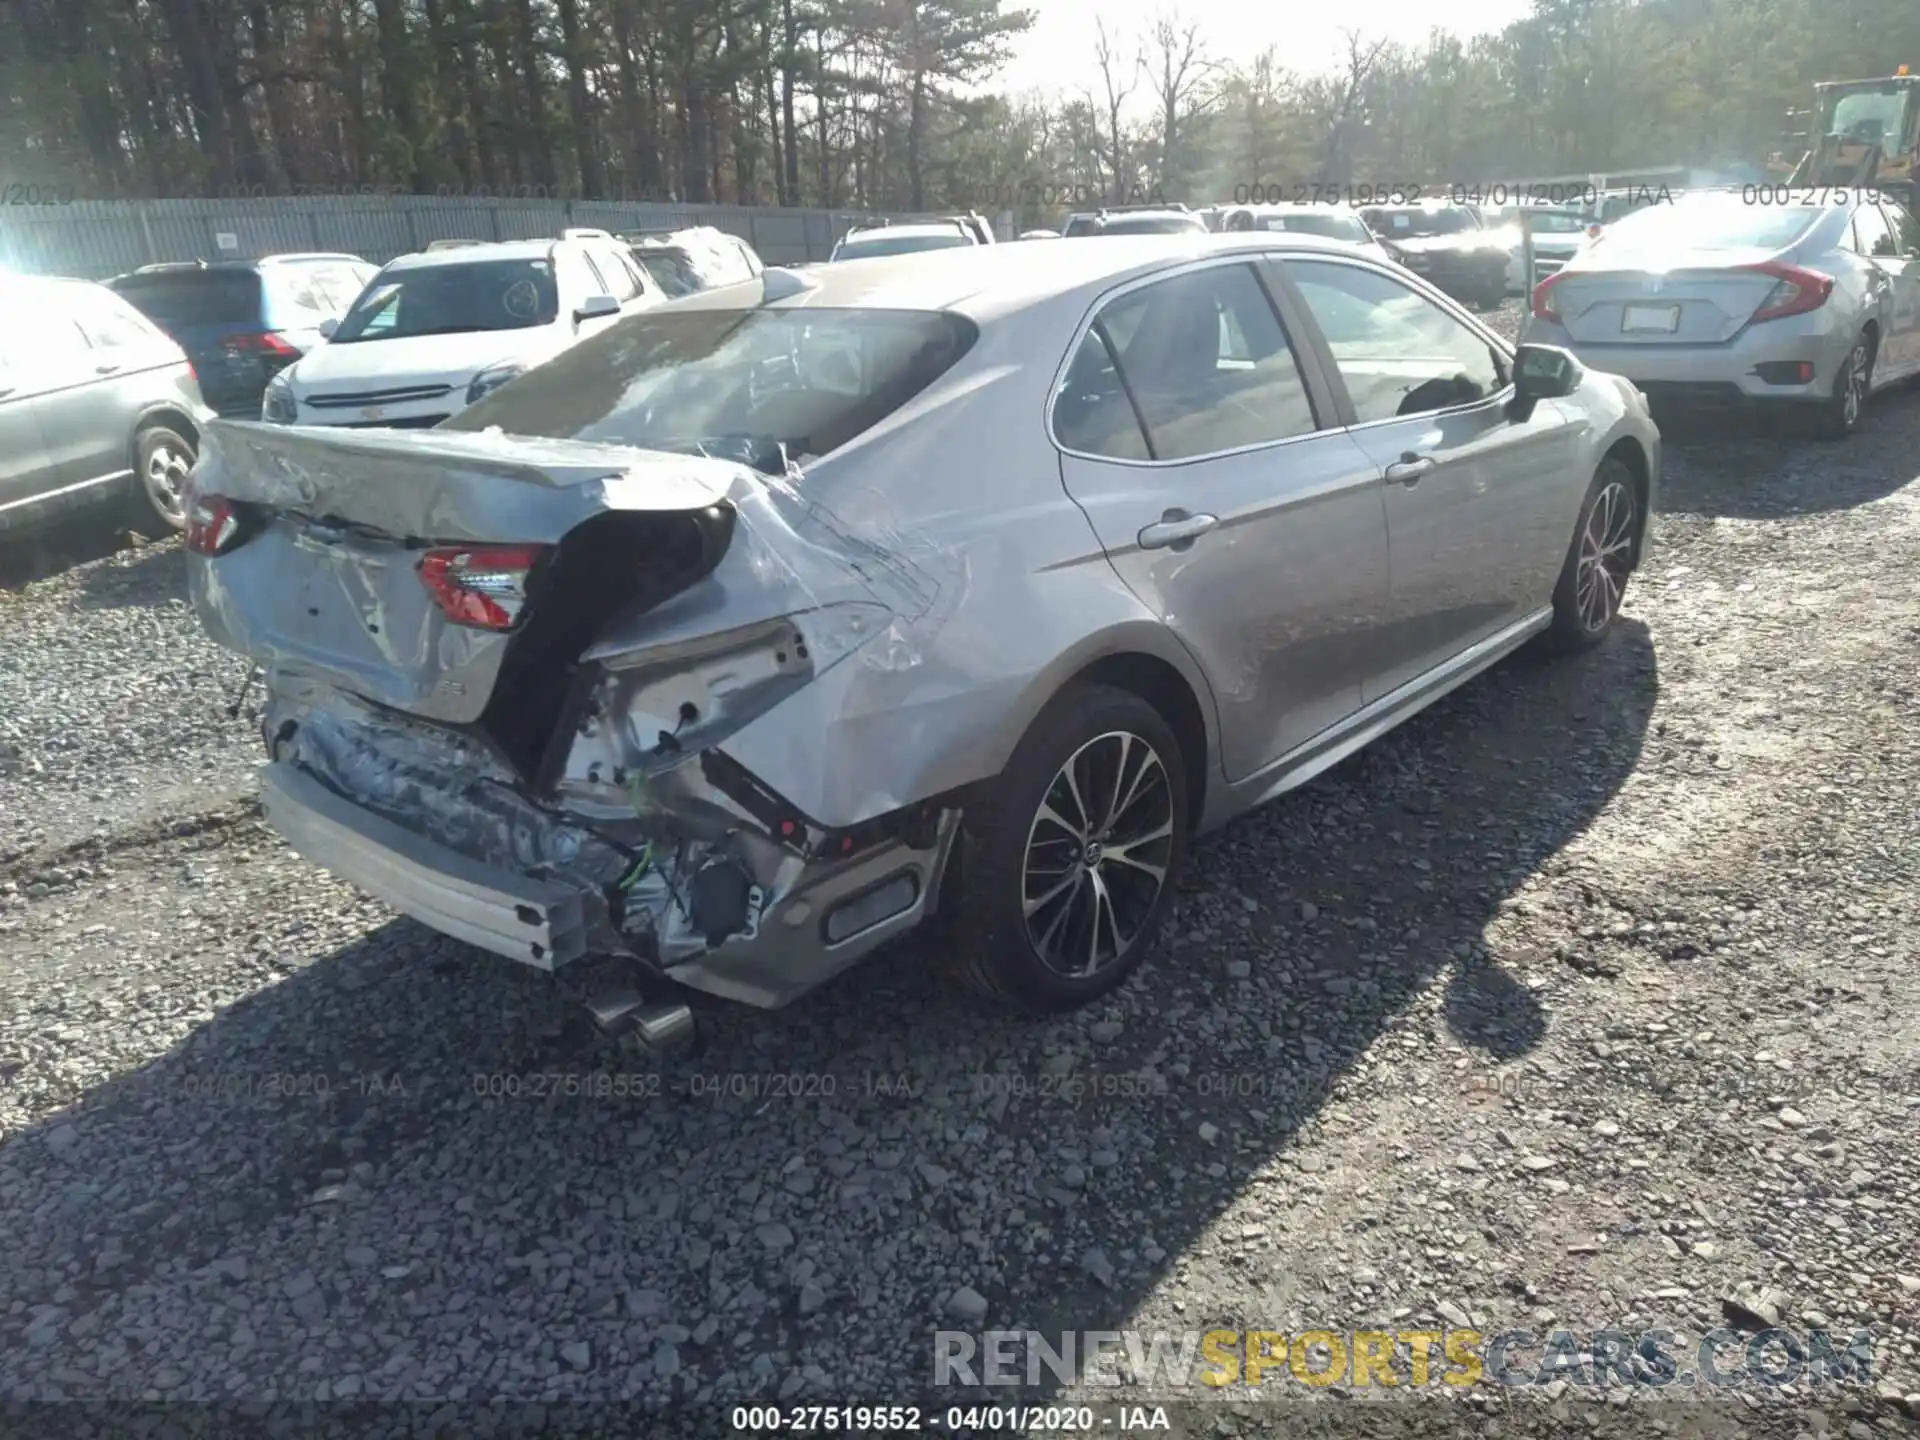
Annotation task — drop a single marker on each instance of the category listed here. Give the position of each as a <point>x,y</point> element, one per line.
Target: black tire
<point>986,926</point>
<point>1839,414</point>
<point>1583,613</point>
<point>160,448</point>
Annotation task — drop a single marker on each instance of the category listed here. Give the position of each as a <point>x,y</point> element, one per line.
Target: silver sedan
<point>1728,298</point>
<point>738,640</point>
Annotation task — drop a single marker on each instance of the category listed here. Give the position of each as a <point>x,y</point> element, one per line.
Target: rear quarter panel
<point>964,481</point>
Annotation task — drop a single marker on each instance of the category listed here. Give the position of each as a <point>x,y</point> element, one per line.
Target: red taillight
<point>213,525</point>
<point>259,343</point>
<point>484,586</point>
<point>1542,306</point>
<point>1795,292</point>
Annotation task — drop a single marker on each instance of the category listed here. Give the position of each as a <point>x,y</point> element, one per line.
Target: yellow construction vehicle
<point>1863,132</point>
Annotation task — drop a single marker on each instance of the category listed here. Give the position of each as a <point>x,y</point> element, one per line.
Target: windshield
<point>1420,223</point>
<point>1870,115</point>
<point>452,299</point>
<point>1711,222</point>
<point>172,299</point>
<point>868,246</point>
<point>745,384</point>
<point>1333,227</point>
<point>1147,225</point>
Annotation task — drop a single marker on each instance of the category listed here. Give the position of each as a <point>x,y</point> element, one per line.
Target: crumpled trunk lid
<point>327,583</point>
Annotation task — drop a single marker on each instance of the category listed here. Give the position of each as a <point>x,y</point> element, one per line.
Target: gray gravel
<point>1588,999</point>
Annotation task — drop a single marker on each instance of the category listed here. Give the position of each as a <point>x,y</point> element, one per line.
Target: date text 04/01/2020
<point>955,1419</point>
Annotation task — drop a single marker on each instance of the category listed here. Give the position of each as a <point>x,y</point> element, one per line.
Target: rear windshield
<point>453,299</point>
<point>1712,222</point>
<point>868,246</point>
<point>194,297</point>
<point>673,272</point>
<point>1555,222</point>
<point>1420,222</point>
<point>753,385</point>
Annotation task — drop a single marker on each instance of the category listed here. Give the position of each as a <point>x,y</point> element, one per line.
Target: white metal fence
<point>92,239</point>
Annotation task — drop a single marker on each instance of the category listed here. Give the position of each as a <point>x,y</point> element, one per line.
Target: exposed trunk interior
<point>610,568</point>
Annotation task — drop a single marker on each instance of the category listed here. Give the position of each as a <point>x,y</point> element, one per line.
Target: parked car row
<point>1712,302</point>
<point>105,389</point>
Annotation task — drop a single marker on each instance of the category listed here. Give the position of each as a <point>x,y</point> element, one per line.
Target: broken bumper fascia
<point>468,855</point>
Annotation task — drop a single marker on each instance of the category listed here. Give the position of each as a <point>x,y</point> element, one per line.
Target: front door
<point>1476,503</point>
<point>1190,438</point>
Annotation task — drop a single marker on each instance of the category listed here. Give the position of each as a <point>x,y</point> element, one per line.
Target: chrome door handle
<point>107,367</point>
<point>1176,530</point>
<point>1410,469</point>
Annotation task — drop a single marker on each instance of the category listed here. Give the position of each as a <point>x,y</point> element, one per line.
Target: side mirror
<point>1541,372</point>
<point>327,327</point>
<point>596,307</point>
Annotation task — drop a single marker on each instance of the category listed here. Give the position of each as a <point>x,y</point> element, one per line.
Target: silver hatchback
<point>1732,297</point>
<point>747,635</point>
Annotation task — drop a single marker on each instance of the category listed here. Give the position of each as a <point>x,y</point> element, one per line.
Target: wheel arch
<point>1147,661</point>
<point>166,415</point>
<point>1629,452</point>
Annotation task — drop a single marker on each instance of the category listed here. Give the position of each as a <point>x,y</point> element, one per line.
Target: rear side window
<point>1197,363</point>
<point>194,297</point>
<point>109,322</point>
<point>743,383</point>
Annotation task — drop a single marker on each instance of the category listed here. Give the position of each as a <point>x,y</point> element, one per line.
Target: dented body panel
<point>863,649</point>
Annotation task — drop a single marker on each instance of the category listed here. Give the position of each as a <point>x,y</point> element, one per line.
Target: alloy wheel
<point>1606,557</point>
<point>166,481</point>
<point>1097,854</point>
<point>1855,397</point>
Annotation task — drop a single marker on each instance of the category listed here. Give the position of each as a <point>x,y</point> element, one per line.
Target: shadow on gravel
<point>1764,467</point>
<point>377,1130</point>
<point>159,572</point>
<point>47,549</point>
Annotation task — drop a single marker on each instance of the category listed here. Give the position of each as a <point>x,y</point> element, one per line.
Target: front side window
<point>1398,353</point>
<point>1193,365</point>
<point>453,299</point>
<point>755,385</point>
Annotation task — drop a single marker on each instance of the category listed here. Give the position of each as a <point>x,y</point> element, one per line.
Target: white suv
<point>434,332</point>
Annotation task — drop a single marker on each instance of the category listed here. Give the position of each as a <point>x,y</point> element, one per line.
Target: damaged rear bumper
<point>539,922</point>
<point>412,816</point>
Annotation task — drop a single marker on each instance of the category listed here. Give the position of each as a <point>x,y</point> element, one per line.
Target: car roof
<point>984,281</point>
<point>938,227</point>
<point>486,250</point>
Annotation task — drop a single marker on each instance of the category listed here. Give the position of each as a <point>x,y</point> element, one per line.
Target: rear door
<point>1479,507</point>
<point>26,470</point>
<point>83,417</point>
<point>1241,515</point>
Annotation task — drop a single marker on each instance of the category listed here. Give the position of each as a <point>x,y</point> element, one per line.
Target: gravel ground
<point>1587,999</point>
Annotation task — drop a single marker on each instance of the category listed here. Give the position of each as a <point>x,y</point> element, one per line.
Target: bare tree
<point>1362,56</point>
<point>1118,78</point>
<point>1178,72</point>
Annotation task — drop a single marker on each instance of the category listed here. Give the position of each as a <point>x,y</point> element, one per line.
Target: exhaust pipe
<point>662,1026</point>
